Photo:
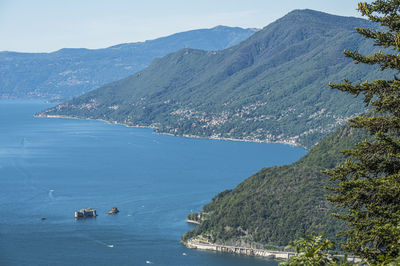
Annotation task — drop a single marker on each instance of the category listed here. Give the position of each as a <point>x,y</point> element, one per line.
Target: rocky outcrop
<point>114,210</point>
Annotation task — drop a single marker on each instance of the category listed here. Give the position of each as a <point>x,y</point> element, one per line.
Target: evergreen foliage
<point>279,204</point>
<point>369,185</point>
<point>314,250</point>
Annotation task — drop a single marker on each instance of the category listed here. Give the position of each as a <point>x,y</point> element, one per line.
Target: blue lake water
<point>51,167</point>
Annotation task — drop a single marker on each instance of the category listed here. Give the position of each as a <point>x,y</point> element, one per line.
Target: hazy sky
<point>48,25</point>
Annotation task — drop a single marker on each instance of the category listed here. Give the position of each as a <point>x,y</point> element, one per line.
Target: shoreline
<point>91,119</point>
<point>264,253</point>
<point>231,139</point>
<point>169,134</point>
<point>192,222</point>
<point>271,254</point>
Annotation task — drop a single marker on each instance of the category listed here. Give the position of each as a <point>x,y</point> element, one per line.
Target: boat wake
<point>51,196</point>
<point>102,243</point>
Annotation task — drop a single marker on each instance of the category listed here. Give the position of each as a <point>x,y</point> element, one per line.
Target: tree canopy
<point>369,180</point>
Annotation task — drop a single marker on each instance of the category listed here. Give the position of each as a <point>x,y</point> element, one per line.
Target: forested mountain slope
<point>278,204</point>
<point>271,87</point>
<point>72,72</point>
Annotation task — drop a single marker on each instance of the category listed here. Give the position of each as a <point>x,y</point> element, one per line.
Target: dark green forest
<point>279,204</point>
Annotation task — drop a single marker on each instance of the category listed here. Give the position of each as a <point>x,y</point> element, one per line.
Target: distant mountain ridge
<point>72,72</point>
<point>271,87</point>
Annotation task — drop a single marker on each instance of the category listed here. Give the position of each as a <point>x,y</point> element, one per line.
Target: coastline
<point>169,134</point>
<point>264,253</point>
<point>92,119</point>
<point>192,222</point>
<point>231,139</point>
<point>272,254</point>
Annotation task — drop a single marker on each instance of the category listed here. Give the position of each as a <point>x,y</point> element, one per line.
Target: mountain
<point>278,204</point>
<point>271,87</point>
<point>71,72</point>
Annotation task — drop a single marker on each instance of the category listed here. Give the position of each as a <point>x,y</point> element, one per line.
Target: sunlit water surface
<point>51,167</point>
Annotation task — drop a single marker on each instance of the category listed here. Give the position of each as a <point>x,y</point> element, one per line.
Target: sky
<point>49,25</point>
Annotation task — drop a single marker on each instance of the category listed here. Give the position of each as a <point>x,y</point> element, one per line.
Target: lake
<point>52,167</point>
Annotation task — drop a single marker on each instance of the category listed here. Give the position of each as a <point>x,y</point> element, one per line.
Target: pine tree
<point>368,187</point>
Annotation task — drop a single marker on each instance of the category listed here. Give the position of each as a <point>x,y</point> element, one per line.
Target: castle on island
<point>83,213</point>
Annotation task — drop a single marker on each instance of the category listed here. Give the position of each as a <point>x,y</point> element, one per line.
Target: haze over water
<point>51,167</point>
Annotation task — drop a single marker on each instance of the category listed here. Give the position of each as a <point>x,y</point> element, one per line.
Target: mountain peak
<point>311,12</point>
<point>282,67</point>
<point>314,16</point>
<point>311,20</point>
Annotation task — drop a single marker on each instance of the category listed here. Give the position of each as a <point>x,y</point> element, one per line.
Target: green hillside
<point>271,87</point>
<point>73,71</point>
<point>278,204</point>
